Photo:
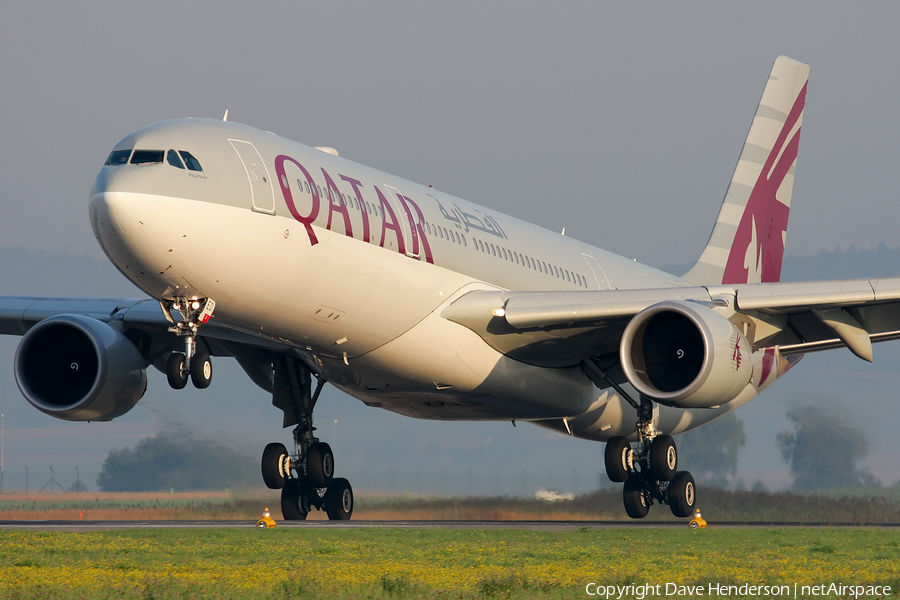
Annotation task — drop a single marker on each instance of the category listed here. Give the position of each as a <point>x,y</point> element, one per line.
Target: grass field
<point>459,564</point>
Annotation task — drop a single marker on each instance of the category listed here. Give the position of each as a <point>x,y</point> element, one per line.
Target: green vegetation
<point>176,459</point>
<point>393,563</point>
<point>712,450</point>
<point>824,449</point>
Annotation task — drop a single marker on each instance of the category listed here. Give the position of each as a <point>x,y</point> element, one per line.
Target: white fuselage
<point>352,267</point>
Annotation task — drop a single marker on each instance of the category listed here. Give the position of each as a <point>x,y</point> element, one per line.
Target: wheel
<point>619,459</point>
<point>175,372</point>
<point>292,505</point>
<point>682,494</point>
<point>663,457</point>
<point>201,370</point>
<point>636,503</point>
<point>319,464</point>
<point>276,466</point>
<point>338,500</point>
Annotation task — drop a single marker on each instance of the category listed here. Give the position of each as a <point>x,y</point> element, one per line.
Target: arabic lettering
<point>486,224</point>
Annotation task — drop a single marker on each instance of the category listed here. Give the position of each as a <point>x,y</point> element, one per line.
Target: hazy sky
<point>621,122</point>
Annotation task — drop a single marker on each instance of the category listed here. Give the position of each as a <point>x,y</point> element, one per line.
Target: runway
<point>558,526</point>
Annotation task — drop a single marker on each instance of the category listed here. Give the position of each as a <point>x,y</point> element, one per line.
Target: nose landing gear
<point>195,363</point>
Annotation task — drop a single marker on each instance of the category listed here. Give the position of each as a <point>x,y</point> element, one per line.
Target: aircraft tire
<point>175,371</point>
<point>338,500</point>
<point>663,457</point>
<point>682,494</point>
<point>618,459</point>
<point>636,504</point>
<point>320,464</point>
<point>275,466</point>
<point>291,501</point>
<point>201,370</point>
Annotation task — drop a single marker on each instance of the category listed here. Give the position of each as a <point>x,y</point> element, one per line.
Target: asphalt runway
<point>523,525</point>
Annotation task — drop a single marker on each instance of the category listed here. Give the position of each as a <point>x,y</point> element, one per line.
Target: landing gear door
<point>410,244</point>
<point>262,194</point>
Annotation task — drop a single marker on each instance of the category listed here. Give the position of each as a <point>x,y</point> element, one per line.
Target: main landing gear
<point>195,363</point>
<point>649,469</point>
<point>305,476</point>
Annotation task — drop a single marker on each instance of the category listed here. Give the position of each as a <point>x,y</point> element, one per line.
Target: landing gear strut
<point>195,362</point>
<point>649,468</point>
<point>306,476</point>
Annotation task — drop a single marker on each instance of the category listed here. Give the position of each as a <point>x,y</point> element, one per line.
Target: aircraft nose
<point>103,222</point>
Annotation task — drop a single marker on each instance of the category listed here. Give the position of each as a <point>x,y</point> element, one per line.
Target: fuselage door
<point>262,194</point>
<point>597,270</point>
<point>412,248</point>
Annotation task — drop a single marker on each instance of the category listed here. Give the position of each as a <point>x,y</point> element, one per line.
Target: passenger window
<point>118,157</point>
<point>147,157</point>
<point>192,163</point>
<point>172,159</point>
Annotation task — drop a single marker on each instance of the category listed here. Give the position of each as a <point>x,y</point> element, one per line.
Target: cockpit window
<point>147,157</point>
<point>118,157</point>
<point>192,163</point>
<point>172,158</point>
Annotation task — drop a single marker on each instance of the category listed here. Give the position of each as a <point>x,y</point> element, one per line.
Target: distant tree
<point>824,450</point>
<point>176,459</point>
<point>78,486</point>
<point>710,452</point>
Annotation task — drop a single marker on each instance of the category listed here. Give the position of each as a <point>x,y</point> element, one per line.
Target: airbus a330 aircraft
<point>311,269</point>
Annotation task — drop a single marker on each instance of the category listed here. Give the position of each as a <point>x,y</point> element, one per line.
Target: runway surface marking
<point>524,525</point>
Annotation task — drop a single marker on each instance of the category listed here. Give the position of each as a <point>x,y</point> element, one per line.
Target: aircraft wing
<point>559,329</point>
<point>18,314</point>
<point>147,326</point>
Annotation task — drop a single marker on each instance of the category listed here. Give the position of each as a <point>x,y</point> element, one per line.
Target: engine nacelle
<point>685,355</point>
<point>79,369</point>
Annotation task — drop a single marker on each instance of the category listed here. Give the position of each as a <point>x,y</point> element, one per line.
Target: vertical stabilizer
<point>747,242</point>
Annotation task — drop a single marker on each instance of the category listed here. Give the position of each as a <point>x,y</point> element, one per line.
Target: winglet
<point>747,242</point>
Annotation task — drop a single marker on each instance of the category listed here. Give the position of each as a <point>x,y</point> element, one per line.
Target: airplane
<point>308,269</point>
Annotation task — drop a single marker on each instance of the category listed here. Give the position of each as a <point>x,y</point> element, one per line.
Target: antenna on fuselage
<point>225,118</point>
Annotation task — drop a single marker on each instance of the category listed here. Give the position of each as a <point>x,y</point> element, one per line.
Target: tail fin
<point>747,242</point>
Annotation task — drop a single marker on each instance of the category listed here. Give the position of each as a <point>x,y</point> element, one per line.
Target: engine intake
<point>685,355</point>
<point>79,369</point>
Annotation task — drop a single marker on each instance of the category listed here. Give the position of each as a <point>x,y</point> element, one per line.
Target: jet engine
<point>79,369</point>
<point>685,355</point>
